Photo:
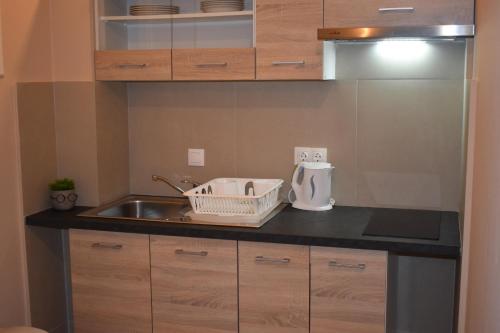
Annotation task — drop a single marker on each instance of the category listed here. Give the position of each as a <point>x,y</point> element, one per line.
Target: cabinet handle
<point>191,253</point>
<point>279,63</point>
<point>388,10</point>
<point>334,263</point>
<point>132,65</point>
<point>111,246</point>
<point>213,64</point>
<point>272,260</point>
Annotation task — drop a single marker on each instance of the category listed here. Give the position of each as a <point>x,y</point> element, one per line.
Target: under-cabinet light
<point>402,50</point>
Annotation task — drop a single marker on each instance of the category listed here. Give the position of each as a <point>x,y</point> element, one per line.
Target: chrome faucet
<point>157,178</point>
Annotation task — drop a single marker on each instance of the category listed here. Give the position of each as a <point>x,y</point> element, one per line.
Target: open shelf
<point>179,17</point>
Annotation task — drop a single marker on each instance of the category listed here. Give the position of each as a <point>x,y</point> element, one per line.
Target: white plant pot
<point>63,200</point>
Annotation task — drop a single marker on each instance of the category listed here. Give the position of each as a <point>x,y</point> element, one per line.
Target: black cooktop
<point>414,224</point>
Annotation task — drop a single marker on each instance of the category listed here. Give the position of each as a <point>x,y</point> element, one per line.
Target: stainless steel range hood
<point>408,32</point>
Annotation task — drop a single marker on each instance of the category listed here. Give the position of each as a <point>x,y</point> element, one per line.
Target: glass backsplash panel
<point>407,59</point>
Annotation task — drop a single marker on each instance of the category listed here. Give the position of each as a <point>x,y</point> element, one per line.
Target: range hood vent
<point>408,32</point>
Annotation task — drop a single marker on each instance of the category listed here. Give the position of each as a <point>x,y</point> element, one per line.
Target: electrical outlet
<point>302,154</point>
<point>318,154</point>
<point>307,154</point>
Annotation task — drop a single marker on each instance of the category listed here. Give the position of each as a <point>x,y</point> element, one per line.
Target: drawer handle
<point>279,63</point>
<point>191,253</point>
<point>213,64</point>
<point>110,246</point>
<point>389,10</point>
<point>272,260</point>
<point>334,263</point>
<point>132,65</point>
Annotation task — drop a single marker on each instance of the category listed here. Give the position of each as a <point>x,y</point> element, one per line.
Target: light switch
<point>196,157</point>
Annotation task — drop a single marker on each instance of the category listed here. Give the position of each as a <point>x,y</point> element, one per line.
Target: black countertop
<point>341,227</point>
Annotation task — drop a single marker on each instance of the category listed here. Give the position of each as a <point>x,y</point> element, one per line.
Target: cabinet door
<point>194,285</point>
<point>133,65</point>
<point>110,276</point>
<point>286,39</point>
<point>214,64</point>
<point>273,288</point>
<point>348,290</point>
<point>379,13</point>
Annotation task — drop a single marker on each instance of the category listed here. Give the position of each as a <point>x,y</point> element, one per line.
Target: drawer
<point>348,290</point>
<point>273,288</point>
<point>379,13</point>
<point>133,65</point>
<point>194,285</point>
<point>110,277</point>
<point>213,64</point>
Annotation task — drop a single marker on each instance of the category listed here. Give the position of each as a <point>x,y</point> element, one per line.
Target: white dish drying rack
<point>250,199</point>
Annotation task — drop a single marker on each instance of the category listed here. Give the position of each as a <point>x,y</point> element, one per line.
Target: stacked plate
<point>137,10</point>
<point>213,6</point>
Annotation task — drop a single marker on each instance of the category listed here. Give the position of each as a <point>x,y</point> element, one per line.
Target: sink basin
<point>143,208</point>
<point>160,209</point>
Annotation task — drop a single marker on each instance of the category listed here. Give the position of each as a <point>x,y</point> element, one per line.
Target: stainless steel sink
<point>143,208</point>
<point>160,209</point>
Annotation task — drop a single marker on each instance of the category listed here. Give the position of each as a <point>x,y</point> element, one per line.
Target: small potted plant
<point>63,195</point>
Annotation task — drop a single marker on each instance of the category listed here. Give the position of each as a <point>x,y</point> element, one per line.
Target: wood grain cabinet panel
<point>273,288</point>
<point>133,65</point>
<point>110,275</point>
<point>286,39</point>
<point>348,290</point>
<point>194,285</point>
<point>214,64</point>
<point>379,13</point>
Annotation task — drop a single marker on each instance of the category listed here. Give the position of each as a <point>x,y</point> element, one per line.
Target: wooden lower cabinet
<point>194,285</point>
<point>273,288</point>
<point>110,276</point>
<point>138,283</point>
<point>348,290</point>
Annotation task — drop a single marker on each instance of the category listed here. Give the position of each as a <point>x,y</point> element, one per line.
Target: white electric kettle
<point>312,185</point>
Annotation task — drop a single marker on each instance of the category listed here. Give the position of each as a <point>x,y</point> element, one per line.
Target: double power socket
<point>307,154</point>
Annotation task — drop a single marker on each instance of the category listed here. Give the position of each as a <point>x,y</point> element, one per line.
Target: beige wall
<point>72,40</point>
<point>483,291</point>
<point>26,34</point>
<point>75,114</point>
<point>112,140</point>
<point>76,136</point>
<point>37,143</point>
<point>31,55</point>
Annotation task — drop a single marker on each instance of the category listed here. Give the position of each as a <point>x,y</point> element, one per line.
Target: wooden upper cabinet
<point>348,290</point>
<point>286,39</point>
<point>110,276</point>
<point>194,285</point>
<point>133,65</point>
<point>379,13</point>
<point>217,64</point>
<point>273,288</point>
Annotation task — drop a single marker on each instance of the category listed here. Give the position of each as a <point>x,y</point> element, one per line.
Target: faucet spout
<point>157,178</point>
<point>189,180</point>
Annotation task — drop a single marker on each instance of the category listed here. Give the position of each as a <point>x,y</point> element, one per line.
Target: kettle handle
<point>289,198</point>
<point>296,173</point>
<point>295,176</point>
